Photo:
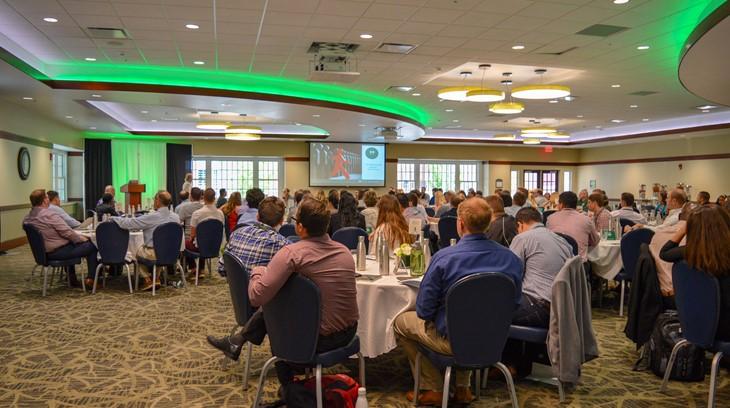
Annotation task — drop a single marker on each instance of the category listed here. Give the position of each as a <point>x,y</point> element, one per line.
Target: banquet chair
<point>237,279</point>
<point>546,214</point>
<point>630,248</point>
<point>447,231</point>
<point>478,314</point>
<point>209,237</point>
<point>430,212</point>
<point>38,247</point>
<point>571,241</point>
<point>349,236</point>
<point>112,243</point>
<point>167,239</point>
<point>697,295</point>
<point>292,322</point>
<point>287,230</point>
<point>625,222</point>
<point>293,238</point>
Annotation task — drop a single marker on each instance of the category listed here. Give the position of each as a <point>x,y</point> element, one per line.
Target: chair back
<point>237,279</point>
<point>293,238</point>
<point>292,320</point>
<point>430,211</point>
<point>348,237</point>
<point>287,230</point>
<point>631,247</point>
<point>571,241</point>
<point>167,239</point>
<point>697,295</point>
<point>625,222</point>
<point>546,214</point>
<point>447,230</point>
<point>37,246</point>
<point>479,311</point>
<point>209,237</point>
<point>112,242</point>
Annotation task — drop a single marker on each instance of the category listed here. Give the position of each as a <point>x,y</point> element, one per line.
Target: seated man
<point>182,198</point>
<point>328,264</point>
<point>703,197</point>
<point>567,220</point>
<point>207,211</point>
<point>253,245</point>
<point>456,200</point>
<point>627,212</point>
<point>106,207</point>
<point>148,223</point>
<point>247,214</point>
<point>60,240</point>
<point>54,205</point>
<point>222,194</point>
<point>185,210</point>
<point>518,202</point>
<point>676,202</point>
<point>107,190</point>
<point>426,325</point>
<point>601,216</point>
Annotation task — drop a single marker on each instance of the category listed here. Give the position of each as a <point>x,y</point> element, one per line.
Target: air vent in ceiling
<point>393,48</point>
<point>107,33</point>
<point>560,52</point>
<point>602,30</point>
<point>331,48</point>
<point>643,93</point>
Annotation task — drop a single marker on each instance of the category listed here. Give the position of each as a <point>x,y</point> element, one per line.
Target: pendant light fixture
<point>531,141</point>
<point>541,91</point>
<point>457,93</point>
<point>213,125</point>
<point>242,136</point>
<point>483,94</point>
<point>243,129</point>
<point>558,135</point>
<point>504,136</point>
<point>508,107</point>
<point>538,131</point>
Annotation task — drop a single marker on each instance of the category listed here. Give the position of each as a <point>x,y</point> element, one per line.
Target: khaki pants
<point>146,253</point>
<point>411,331</point>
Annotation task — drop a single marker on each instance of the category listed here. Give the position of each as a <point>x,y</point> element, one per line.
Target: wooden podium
<point>133,193</point>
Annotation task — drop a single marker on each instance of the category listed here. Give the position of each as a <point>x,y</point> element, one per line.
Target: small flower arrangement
<point>403,251</point>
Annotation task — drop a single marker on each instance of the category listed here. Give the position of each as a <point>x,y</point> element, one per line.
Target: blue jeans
<point>83,250</point>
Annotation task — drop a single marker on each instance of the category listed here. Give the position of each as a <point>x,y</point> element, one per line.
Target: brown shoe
<point>89,282</point>
<point>496,374</point>
<point>148,284</point>
<point>463,395</point>
<point>427,397</point>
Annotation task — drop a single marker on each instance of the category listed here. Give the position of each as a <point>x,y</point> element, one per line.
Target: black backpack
<point>690,362</point>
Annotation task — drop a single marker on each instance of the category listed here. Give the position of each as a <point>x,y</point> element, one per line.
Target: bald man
<point>147,223</point>
<point>107,190</point>
<point>427,325</point>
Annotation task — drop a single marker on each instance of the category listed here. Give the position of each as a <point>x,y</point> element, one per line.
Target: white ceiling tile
<point>420,28</point>
<point>478,44</point>
<point>37,6</point>
<point>429,50</point>
<point>145,23</point>
<point>324,34</point>
<point>503,34</point>
<point>238,16</point>
<point>328,21</point>
<point>282,18</point>
<point>390,11</point>
<point>546,10</point>
<point>299,6</point>
<point>238,4</point>
<point>280,31</point>
<point>195,14</point>
<point>402,38</point>
<point>165,61</point>
<point>503,7</point>
<point>170,52</point>
<point>61,31</point>
<point>139,10</point>
<point>590,15</point>
<point>524,23</point>
<point>446,41</point>
<point>342,8</point>
<point>462,31</point>
<point>480,19</point>
<point>233,28</point>
<point>97,8</point>
<point>73,42</point>
<point>434,15</point>
<point>158,35</point>
<point>155,44</point>
<point>98,21</point>
<point>365,25</point>
<point>451,4</point>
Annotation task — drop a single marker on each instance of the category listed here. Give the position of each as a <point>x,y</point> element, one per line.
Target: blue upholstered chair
<point>287,230</point>
<point>237,279</point>
<point>38,247</point>
<point>571,241</point>
<point>209,237</point>
<point>348,237</point>
<point>430,212</point>
<point>630,248</point>
<point>167,239</point>
<point>447,231</point>
<point>112,242</point>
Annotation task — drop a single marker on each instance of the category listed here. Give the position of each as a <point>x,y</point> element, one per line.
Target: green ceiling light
<point>125,136</point>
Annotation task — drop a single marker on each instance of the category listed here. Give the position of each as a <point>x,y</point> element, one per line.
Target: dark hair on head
<point>506,199</point>
<point>209,195</point>
<point>495,203</point>
<point>402,200</point>
<point>519,198</point>
<point>37,197</point>
<point>413,199</point>
<point>348,210</point>
<point>371,198</point>
<point>702,195</point>
<point>222,191</point>
<point>527,215</point>
<point>271,211</point>
<point>334,198</point>
<point>164,198</point>
<point>183,195</point>
<point>568,199</point>
<point>628,198</point>
<point>195,194</point>
<point>298,195</point>
<point>708,232</point>
<point>51,195</point>
<point>107,198</point>
<point>313,216</point>
<point>598,198</point>
<point>254,197</point>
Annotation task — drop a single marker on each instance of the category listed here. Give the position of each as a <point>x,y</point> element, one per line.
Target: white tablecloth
<point>379,302</point>
<point>136,241</point>
<point>606,259</point>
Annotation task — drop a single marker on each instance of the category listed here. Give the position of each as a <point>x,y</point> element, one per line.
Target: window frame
<point>420,181</point>
<point>63,156</point>
<point>256,160</point>
<point>540,180</point>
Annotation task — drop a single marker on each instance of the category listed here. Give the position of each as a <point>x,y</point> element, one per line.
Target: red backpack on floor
<point>338,391</point>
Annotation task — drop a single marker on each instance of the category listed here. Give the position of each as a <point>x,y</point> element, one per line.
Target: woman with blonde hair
<point>391,223</point>
<point>438,200</point>
<point>321,197</point>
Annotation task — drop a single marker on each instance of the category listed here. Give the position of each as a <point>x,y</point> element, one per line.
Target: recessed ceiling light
<point>144,112</point>
<point>704,107</point>
<point>50,20</point>
<point>416,94</point>
<point>298,124</point>
<point>616,86</point>
<point>154,121</point>
<point>27,98</point>
<point>95,96</point>
<point>448,110</point>
<point>315,116</point>
<point>620,1</point>
<point>579,116</point>
<point>643,47</point>
<point>92,127</point>
<point>633,106</point>
<point>618,120</point>
<point>90,59</point>
<point>366,36</point>
<point>569,98</point>
<point>69,117</point>
<point>518,47</point>
<point>402,88</point>
<point>455,120</point>
<point>553,101</point>
<point>199,62</point>
<point>705,110</point>
<point>192,26</point>
<point>645,120</point>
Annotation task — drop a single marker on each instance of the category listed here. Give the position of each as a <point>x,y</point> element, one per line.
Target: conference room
<point>364,203</point>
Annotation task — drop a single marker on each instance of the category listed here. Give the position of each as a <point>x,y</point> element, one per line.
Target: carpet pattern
<point>114,349</point>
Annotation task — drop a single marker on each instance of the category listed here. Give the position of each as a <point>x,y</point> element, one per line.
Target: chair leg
<point>182,273</point>
<point>561,392</point>
<point>154,278</point>
<point>96,278</point>
<point>510,383</point>
<point>210,268</point>
<point>416,379</point>
<point>129,278</point>
<point>32,273</point>
<point>136,276</point>
<point>478,383</point>
<point>621,302</point>
<point>45,279</point>
<point>362,369</point>
<point>264,370</point>
<point>484,379</point>
<point>318,384</point>
<point>670,363</point>
<point>197,274</point>
<point>713,379</point>
<point>447,380</point>
<point>247,368</point>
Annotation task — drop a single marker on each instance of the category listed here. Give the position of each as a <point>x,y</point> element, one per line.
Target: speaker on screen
<point>346,164</point>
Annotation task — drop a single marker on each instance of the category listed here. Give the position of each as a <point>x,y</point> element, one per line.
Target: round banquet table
<point>379,300</point>
<point>136,241</point>
<point>606,259</point>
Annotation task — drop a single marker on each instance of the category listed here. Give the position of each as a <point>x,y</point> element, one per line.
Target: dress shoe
<point>89,282</point>
<point>463,395</point>
<point>224,344</point>
<point>148,284</point>
<point>428,398</point>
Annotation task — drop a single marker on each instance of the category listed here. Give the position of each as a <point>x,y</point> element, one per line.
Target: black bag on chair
<point>690,362</point>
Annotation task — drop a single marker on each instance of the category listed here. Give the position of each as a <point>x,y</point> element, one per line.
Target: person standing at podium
<point>188,184</point>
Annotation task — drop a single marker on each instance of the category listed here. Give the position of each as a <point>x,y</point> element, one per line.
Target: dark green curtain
<point>97,170</point>
<point>179,163</point>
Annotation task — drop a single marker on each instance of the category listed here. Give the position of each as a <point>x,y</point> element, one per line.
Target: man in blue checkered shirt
<point>253,245</point>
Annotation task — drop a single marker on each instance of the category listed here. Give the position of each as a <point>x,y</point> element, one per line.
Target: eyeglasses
<point>295,220</point>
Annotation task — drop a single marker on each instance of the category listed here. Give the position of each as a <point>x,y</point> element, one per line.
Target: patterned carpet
<point>116,349</point>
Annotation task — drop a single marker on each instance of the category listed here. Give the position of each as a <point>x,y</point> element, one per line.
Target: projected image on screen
<point>346,164</point>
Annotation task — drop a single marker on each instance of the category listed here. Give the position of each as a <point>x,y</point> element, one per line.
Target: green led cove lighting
<point>233,81</point>
<point>126,136</point>
<point>684,22</point>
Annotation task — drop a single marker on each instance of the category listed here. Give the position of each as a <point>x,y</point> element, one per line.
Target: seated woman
<point>371,211</point>
<point>347,215</point>
<point>502,227</point>
<point>415,210</point>
<point>391,223</point>
<point>708,234</point>
<point>230,210</point>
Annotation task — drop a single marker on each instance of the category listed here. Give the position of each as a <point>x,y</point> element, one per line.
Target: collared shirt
<point>148,222</point>
<point>664,268</point>
<point>474,253</point>
<point>602,219</point>
<point>512,210</point>
<point>69,220</point>
<point>247,215</point>
<point>328,264</point>
<point>206,212</point>
<point>570,222</point>
<point>628,213</point>
<point>671,220</point>
<point>253,245</point>
<point>543,254</point>
<point>54,230</point>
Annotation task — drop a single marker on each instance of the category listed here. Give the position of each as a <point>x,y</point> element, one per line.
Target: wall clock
<point>23,163</point>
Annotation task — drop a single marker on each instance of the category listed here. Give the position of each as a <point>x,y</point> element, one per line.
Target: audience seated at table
<point>599,214</point>
<point>61,242</point>
<point>254,245</point>
<point>537,199</point>
<point>551,201</point>
<point>677,201</point>
<point>148,223</point>
<point>567,220</point>
<point>106,207</point>
<point>661,208</point>
<point>186,209</point>
<point>247,214</point>
<point>391,224</point>
<point>502,227</point>
<point>627,210</point>
<point>230,210</point>
<point>371,210</point>
<point>54,205</point>
<point>347,215</point>
<point>708,233</point>
<point>222,194</point>
<point>456,200</point>
<point>107,190</point>
<point>446,206</point>
<point>518,202</point>
<point>426,325</point>
<point>414,210</point>
<point>437,200</point>
<point>206,212</point>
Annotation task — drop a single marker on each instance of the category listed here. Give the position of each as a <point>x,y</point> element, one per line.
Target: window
<point>59,171</point>
<point>546,180</point>
<point>567,181</point>
<point>238,174</point>
<point>514,180</point>
<point>468,177</point>
<point>550,181</point>
<point>406,179</point>
<point>531,179</point>
<point>437,175</point>
<point>461,175</point>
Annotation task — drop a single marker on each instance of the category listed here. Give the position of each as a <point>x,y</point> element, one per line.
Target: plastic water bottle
<point>361,253</point>
<point>362,399</point>
<point>452,242</point>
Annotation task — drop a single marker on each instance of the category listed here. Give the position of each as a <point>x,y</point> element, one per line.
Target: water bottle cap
<point>361,391</point>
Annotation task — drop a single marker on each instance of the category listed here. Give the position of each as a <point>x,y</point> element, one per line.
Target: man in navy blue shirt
<point>427,325</point>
